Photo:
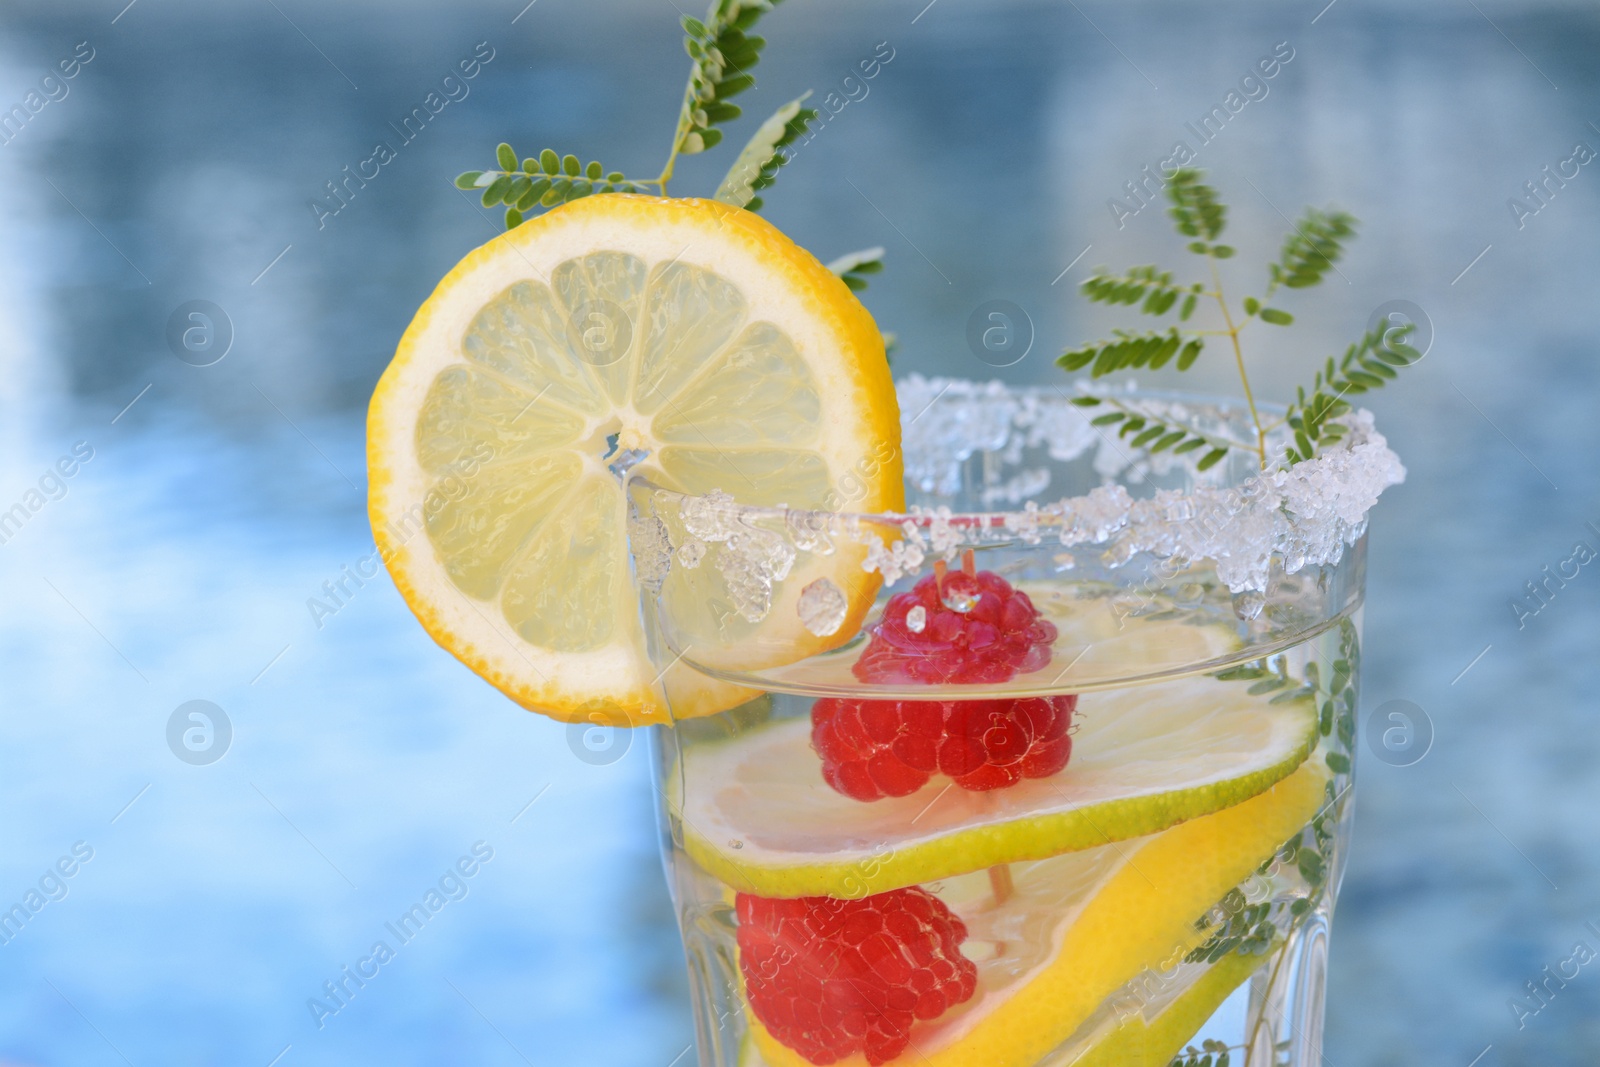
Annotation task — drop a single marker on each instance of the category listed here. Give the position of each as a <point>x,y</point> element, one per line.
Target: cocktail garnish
<point>1309,252</point>
<point>973,627</point>
<point>890,748</point>
<point>830,977</point>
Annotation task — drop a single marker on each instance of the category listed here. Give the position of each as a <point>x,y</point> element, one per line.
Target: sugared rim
<point>1305,515</point>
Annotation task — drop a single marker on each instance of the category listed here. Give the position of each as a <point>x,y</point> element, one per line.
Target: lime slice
<point>757,814</point>
<point>1080,927</point>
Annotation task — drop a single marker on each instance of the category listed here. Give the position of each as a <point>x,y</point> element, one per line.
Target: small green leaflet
<point>852,267</point>
<point>763,151</point>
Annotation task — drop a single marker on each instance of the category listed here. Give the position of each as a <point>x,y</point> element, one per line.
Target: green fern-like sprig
<point>762,156</point>
<point>1196,209</point>
<point>723,54</point>
<point>1155,434</point>
<point>1254,929</point>
<point>1247,930</point>
<point>1368,364</point>
<point>544,180</point>
<point>1309,252</point>
<point>1129,350</point>
<point>1149,287</point>
<point>1211,1053</point>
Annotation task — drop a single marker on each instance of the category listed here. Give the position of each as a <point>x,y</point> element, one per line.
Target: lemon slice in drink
<point>757,814</point>
<point>1153,1035</point>
<point>687,339</point>
<point>1078,928</point>
<point>1126,1033</point>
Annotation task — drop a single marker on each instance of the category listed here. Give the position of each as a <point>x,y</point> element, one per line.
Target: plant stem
<point>661,181</point>
<point>579,178</point>
<point>684,124</point>
<point>1261,1017</point>
<point>1238,358</point>
<point>677,136</point>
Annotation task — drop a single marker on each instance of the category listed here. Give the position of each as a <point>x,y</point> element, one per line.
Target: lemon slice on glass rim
<point>685,339</point>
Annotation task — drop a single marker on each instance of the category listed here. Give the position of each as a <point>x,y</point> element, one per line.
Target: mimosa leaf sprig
<point>1309,253</point>
<point>723,54</point>
<point>1211,1053</point>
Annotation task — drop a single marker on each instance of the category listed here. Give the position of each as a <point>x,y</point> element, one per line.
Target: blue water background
<point>178,561</point>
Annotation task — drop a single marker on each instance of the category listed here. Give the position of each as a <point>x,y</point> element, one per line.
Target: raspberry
<point>831,977</point>
<point>878,748</point>
<point>968,626</point>
<point>957,627</point>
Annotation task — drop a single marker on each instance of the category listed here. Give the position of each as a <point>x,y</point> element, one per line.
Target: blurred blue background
<point>176,562</point>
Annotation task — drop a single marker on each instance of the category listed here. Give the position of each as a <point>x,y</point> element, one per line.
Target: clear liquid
<point>1245,970</point>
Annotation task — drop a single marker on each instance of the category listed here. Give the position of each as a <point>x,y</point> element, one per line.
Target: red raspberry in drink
<point>829,977</point>
<point>878,748</point>
<point>965,626</point>
<point>957,627</point>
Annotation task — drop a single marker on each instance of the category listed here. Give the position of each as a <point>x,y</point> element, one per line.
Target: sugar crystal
<point>822,607</point>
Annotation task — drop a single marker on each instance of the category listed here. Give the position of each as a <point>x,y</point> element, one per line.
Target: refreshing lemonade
<point>1057,799</point>
<point>993,728</point>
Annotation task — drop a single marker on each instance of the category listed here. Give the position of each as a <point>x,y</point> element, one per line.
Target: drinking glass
<point>1164,890</point>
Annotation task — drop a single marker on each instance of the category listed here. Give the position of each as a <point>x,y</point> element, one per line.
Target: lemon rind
<point>615,684</point>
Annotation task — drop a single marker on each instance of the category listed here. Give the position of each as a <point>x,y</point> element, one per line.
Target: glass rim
<point>1306,514</point>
